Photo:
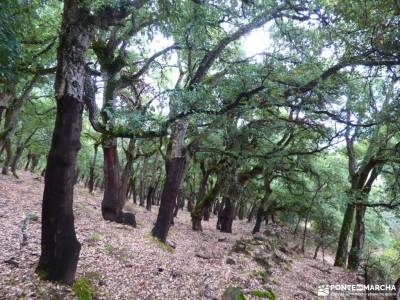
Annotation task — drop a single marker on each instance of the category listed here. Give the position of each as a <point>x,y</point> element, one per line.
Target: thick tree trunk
<point>357,245</point>
<point>59,245</point>
<point>342,249</point>
<point>92,169</point>
<point>111,206</point>
<point>174,167</point>
<point>227,215</point>
<point>228,212</point>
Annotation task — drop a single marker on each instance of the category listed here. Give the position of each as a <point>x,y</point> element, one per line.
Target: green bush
<point>83,288</point>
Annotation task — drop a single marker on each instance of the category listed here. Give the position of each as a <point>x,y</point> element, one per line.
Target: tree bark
<point>59,245</point>
<point>357,245</point>
<point>342,249</point>
<point>111,206</point>
<point>228,212</point>
<point>174,167</point>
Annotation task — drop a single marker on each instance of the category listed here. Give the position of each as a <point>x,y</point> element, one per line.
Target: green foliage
<point>263,294</point>
<point>95,237</point>
<point>83,288</point>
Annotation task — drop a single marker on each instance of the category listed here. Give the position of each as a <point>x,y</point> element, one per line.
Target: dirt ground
<point>123,262</point>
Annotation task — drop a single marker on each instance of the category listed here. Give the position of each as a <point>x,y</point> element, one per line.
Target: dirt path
<point>127,263</point>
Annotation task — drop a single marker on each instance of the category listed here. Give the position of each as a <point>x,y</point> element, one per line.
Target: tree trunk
<point>357,245</point>
<point>316,251</point>
<point>228,212</point>
<point>174,167</point>
<point>261,212</point>
<point>133,184</point>
<point>28,160</point>
<point>297,226</point>
<point>13,111</point>
<point>143,181</point>
<point>59,245</point>
<point>201,205</point>
<point>342,249</point>
<point>207,212</point>
<point>152,186</point>
<point>7,161</point>
<point>127,172</point>
<point>34,162</point>
<point>111,206</point>
<point>91,170</point>
<point>17,156</point>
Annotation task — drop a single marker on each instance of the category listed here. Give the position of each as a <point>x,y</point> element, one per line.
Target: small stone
<point>230,261</point>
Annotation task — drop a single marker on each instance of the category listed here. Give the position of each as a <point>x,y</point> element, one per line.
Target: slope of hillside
<point>120,262</point>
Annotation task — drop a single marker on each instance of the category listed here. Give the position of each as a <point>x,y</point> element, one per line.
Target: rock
<point>222,240</point>
<point>233,293</point>
<point>230,261</point>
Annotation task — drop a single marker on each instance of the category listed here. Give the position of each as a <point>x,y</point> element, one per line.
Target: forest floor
<point>122,262</point>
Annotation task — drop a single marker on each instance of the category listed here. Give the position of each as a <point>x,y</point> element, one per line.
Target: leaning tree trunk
<point>355,253</point>
<point>174,168</point>
<point>59,245</point>
<point>342,249</point>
